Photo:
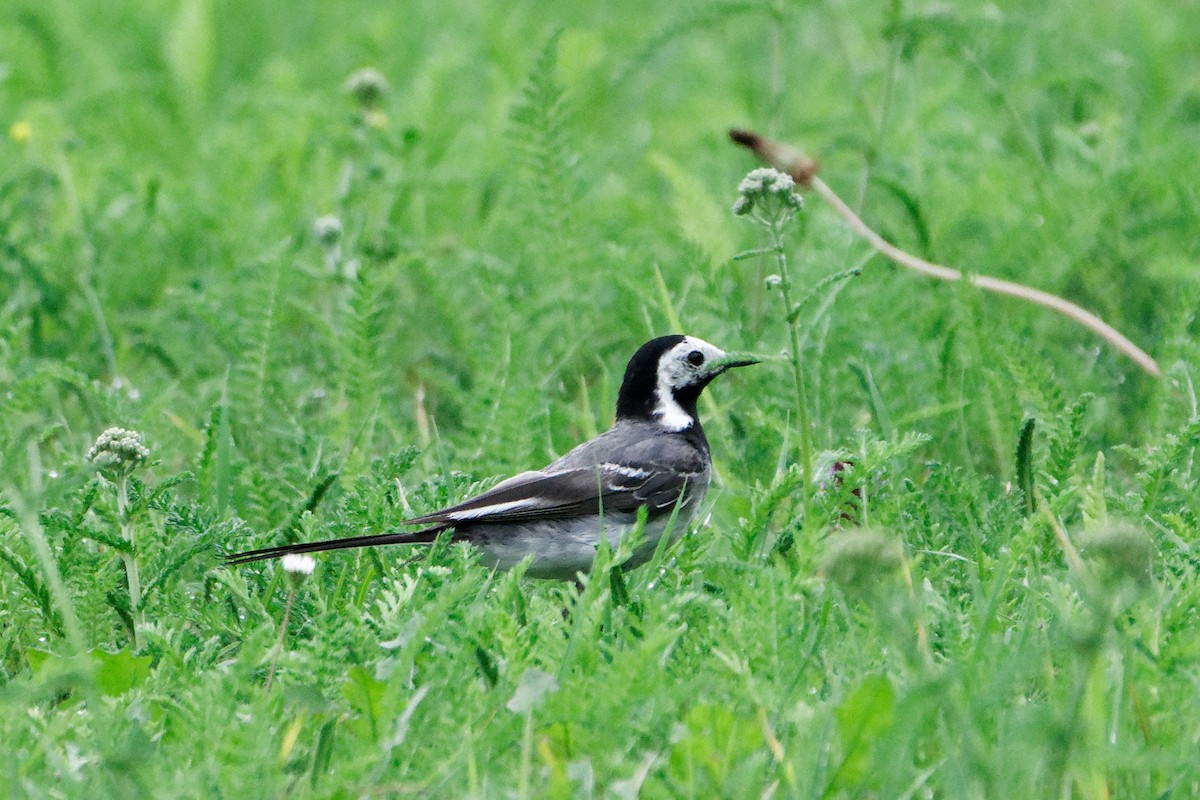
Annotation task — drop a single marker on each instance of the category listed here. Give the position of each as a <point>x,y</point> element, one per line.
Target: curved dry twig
<point>804,171</point>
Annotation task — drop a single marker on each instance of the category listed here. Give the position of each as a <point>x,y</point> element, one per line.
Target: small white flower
<point>299,564</point>
<point>120,384</point>
<point>531,690</point>
<point>772,282</point>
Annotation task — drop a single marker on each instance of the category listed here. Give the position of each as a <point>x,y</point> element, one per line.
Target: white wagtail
<point>655,456</point>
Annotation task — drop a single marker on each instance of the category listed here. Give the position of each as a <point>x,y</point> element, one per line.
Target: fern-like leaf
<point>1067,439</point>
<point>37,590</point>
<point>360,358</point>
<point>539,131</point>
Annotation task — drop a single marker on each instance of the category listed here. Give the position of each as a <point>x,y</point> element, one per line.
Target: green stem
<point>526,757</point>
<point>130,558</point>
<point>287,613</point>
<point>785,292</point>
<point>887,94</point>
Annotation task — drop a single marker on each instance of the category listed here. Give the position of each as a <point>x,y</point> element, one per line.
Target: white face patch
<point>676,371</point>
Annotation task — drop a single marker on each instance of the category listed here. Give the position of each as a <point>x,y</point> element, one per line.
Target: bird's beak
<point>730,360</point>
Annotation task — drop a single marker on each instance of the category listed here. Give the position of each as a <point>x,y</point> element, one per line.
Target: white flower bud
<point>118,451</point>
<point>770,190</point>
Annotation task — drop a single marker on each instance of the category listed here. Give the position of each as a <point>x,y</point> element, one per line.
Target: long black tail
<point>417,537</point>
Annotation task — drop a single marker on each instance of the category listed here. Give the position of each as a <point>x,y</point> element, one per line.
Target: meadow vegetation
<point>332,265</point>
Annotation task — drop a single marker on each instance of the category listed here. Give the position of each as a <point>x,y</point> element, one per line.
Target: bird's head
<point>666,375</point>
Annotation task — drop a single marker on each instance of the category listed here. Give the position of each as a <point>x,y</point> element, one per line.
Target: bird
<point>655,456</point>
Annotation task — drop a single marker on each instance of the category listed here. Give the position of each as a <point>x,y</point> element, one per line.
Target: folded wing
<point>603,488</point>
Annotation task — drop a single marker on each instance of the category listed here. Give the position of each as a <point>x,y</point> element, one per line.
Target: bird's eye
<point>695,358</point>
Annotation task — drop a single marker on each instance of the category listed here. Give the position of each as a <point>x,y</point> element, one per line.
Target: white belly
<point>562,548</point>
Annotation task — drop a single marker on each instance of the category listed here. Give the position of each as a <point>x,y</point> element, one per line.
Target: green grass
<point>530,176</point>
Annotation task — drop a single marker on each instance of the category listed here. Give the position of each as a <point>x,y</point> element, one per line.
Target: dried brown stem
<point>804,171</point>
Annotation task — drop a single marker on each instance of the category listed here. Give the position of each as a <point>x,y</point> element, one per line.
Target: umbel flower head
<point>118,451</point>
<point>769,192</point>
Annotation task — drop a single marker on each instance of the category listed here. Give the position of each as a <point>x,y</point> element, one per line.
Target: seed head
<point>328,229</point>
<point>118,451</point>
<point>1122,551</point>
<point>859,561</point>
<point>367,86</point>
